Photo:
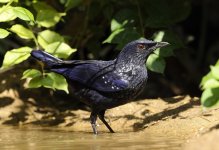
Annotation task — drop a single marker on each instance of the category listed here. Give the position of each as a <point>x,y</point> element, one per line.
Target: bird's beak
<point>161,44</point>
<point>158,45</point>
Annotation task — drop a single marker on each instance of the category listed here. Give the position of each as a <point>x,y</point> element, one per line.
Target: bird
<point>103,84</point>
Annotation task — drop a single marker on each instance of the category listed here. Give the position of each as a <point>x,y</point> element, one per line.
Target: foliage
<point>37,24</point>
<point>50,41</point>
<point>127,25</point>
<point>210,85</point>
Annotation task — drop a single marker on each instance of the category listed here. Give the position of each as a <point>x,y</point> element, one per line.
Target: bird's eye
<point>141,46</point>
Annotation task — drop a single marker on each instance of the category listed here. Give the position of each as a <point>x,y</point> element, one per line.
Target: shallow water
<point>35,138</point>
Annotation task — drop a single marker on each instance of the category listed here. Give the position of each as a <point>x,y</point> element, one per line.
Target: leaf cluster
<point>210,87</point>
<point>132,22</point>
<point>35,22</point>
<point>42,20</point>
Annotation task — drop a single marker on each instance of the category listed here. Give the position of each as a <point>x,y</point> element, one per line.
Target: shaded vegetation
<point>95,29</point>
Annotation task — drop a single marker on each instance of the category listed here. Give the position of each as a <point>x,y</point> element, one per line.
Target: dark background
<point>87,25</point>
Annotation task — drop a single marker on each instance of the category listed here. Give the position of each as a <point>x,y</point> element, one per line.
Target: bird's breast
<point>134,74</point>
<point>137,79</point>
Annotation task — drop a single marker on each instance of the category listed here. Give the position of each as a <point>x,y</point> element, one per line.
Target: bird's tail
<point>46,58</point>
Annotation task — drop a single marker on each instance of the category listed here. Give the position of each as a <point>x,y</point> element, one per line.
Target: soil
<point>180,116</point>
<point>208,141</point>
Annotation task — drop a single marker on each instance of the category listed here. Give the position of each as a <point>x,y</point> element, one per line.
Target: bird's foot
<point>101,116</point>
<point>94,127</point>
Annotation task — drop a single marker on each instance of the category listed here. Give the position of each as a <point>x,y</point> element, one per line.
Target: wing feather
<point>97,75</point>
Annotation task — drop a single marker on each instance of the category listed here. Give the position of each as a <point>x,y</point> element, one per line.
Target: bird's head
<point>138,50</point>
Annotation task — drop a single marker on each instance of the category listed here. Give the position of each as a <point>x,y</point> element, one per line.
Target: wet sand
<point>179,117</point>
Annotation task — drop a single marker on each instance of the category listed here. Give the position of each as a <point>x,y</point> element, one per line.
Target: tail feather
<point>45,57</point>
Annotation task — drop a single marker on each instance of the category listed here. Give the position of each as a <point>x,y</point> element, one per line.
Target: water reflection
<point>51,138</point>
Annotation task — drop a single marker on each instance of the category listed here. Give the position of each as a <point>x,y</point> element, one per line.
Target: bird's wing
<point>97,75</point>
<point>110,82</point>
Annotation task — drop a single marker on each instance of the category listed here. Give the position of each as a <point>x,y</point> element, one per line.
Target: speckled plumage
<point>105,84</point>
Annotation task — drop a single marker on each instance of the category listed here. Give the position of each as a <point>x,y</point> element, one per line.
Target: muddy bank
<point>179,116</point>
<point>207,141</point>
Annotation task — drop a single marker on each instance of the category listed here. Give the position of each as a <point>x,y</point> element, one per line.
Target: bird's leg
<point>93,119</point>
<point>101,116</point>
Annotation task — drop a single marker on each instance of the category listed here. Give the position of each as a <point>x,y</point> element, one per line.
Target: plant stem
<point>35,41</point>
<point>140,18</point>
<point>34,37</point>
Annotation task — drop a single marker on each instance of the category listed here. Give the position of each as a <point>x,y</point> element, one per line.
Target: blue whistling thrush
<point>105,84</point>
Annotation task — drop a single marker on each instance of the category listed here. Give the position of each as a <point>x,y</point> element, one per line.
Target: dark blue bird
<point>105,84</point>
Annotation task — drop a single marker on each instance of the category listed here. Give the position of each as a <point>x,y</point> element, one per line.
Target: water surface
<point>34,138</point>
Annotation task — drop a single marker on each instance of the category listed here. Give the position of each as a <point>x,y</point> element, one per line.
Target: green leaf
<point>22,32</point>
<point>23,14</point>
<point>48,18</point>
<point>122,36</point>
<point>113,36</point>
<point>116,25</point>
<point>72,4</point>
<point>205,79</point>
<point>126,18</point>
<point>31,73</point>
<point>159,36</point>
<point>35,82</point>
<point>49,80</point>
<point>7,14</point>
<point>210,97</point>
<point>59,49</point>
<point>165,13</point>
<point>16,56</point>
<point>217,63</point>
<point>215,71</point>
<point>4,1</point>
<point>156,63</point>
<point>38,81</point>
<point>211,83</point>
<point>47,37</point>
<point>59,83</point>
<point>123,28</point>
<point>170,37</point>
<point>38,6</point>
<point>3,33</point>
